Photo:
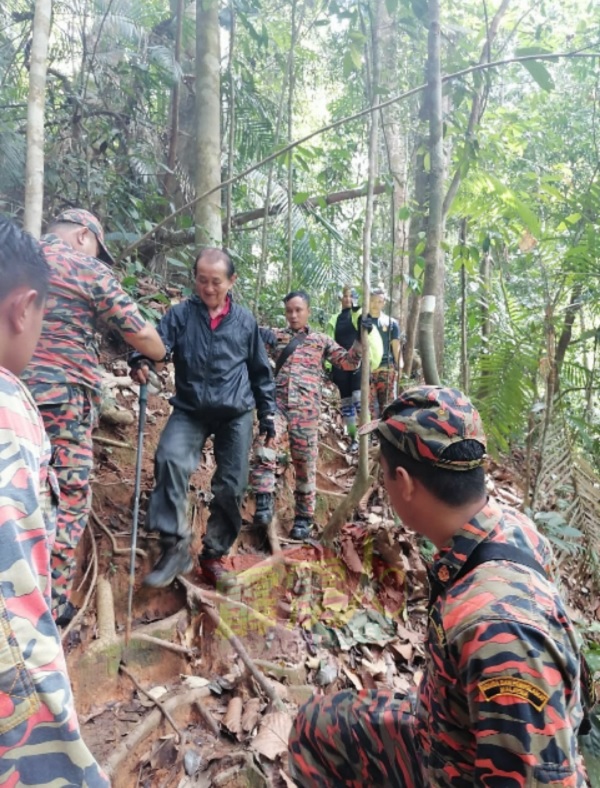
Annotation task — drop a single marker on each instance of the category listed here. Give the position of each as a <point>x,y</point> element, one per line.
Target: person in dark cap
<point>499,703</point>
<point>343,328</point>
<point>63,375</point>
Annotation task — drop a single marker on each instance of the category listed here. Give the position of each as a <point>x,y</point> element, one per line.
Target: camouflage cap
<point>425,420</point>
<point>87,219</point>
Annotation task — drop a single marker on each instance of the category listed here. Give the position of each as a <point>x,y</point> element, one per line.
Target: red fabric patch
<point>216,320</point>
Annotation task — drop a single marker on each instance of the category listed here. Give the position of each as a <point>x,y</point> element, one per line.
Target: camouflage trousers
<point>383,389</point>
<point>301,431</point>
<point>356,739</point>
<point>69,416</point>
<point>348,384</point>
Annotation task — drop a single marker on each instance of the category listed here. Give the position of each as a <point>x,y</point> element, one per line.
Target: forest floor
<point>307,620</point>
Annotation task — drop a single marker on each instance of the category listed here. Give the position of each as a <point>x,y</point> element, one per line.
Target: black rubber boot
<point>301,529</point>
<point>175,560</point>
<point>264,509</point>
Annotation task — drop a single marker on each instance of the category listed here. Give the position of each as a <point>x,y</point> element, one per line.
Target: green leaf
<point>540,73</point>
<point>348,64</point>
<point>356,55</point>
<point>404,213</point>
<point>301,197</point>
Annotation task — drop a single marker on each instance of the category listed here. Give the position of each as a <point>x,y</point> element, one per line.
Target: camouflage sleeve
<point>344,359</point>
<point>521,687</point>
<point>112,305</point>
<point>40,741</point>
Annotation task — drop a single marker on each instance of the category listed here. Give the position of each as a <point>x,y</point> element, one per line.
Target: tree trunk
<point>208,122</point>
<point>231,135</point>
<point>464,354</point>
<point>433,268</point>
<point>395,145</point>
<point>170,179</point>
<point>290,179</point>
<point>34,170</point>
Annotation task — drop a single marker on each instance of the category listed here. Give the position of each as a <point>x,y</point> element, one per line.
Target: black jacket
<point>219,373</point>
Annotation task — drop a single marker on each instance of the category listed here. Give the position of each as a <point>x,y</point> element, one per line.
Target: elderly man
<point>222,374</point>
<point>40,741</point>
<point>499,703</point>
<point>63,375</point>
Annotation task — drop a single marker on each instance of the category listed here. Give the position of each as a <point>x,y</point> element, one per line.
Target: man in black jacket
<point>221,374</point>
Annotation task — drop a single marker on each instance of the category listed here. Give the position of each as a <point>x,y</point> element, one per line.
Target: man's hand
<point>141,368</point>
<point>266,427</point>
<point>366,323</point>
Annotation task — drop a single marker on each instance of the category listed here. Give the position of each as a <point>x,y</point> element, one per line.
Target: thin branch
<point>342,121</point>
<point>164,710</point>
<point>111,536</point>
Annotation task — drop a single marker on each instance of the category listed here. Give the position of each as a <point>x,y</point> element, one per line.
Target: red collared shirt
<point>216,320</point>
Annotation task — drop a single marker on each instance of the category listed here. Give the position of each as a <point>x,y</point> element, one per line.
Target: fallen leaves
<point>272,738</point>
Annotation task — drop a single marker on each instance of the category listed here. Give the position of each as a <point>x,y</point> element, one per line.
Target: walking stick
<point>136,504</point>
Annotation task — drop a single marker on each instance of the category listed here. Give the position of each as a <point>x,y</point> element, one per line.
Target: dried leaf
<point>378,668</point>
<point>403,650</point>
<point>334,600</point>
<point>351,557</point>
<point>233,716</point>
<point>272,738</point>
<point>251,715</point>
<point>357,683</point>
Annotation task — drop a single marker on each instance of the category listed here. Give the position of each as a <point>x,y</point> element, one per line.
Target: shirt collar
<point>452,556</point>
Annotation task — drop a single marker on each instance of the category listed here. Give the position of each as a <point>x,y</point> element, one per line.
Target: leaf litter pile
<point>206,691</point>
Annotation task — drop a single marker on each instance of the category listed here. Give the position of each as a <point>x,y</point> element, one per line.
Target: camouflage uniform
<point>383,379</point>
<point>40,741</point>
<point>64,379</point>
<point>298,399</point>
<point>499,704</point>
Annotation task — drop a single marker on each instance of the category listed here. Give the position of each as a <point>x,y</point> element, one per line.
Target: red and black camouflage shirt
<point>40,741</point>
<point>83,291</point>
<point>499,704</point>
<point>298,384</point>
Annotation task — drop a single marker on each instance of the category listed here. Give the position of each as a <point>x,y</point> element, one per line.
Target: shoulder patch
<point>505,686</point>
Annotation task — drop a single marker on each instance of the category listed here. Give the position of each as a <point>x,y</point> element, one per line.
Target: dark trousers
<point>177,457</point>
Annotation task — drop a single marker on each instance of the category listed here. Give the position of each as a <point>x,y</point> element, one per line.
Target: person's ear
<point>22,304</point>
<point>406,484</point>
<point>233,280</point>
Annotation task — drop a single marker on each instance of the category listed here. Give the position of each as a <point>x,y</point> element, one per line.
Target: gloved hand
<point>137,361</point>
<point>266,426</point>
<point>366,323</point>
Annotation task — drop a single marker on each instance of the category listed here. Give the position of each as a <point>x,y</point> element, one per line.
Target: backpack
<point>498,551</point>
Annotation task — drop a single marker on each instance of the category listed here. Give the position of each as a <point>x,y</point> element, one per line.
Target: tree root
<point>208,718</point>
<point>178,649</point>
<point>273,535</point>
<point>113,541</point>
<point>148,725</point>
<point>161,706</point>
<point>350,501</point>
<point>222,627</point>
<point>335,451</point>
<point>110,442</point>
<point>90,590</point>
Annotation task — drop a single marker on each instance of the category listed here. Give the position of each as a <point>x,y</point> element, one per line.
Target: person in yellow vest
<point>383,378</point>
<point>343,328</point>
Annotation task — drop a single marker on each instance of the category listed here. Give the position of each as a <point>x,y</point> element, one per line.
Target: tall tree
<point>433,268</point>
<point>34,172</point>
<point>208,122</point>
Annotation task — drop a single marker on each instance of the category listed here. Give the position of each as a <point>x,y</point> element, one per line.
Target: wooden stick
<point>148,725</point>
<point>212,597</point>
<point>226,631</point>
<point>161,706</point>
<point>90,590</point>
<point>111,536</point>
<point>176,647</point>
<point>208,718</point>
<point>335,451</point>
<point>111,442</point>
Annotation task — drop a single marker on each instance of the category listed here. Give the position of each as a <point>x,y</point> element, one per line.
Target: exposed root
<point>178,649</point>
<point>208,718</point>
<point>110,442</point>
<point>113,541</point>
<point>90,590</point>
<point>349,502</point>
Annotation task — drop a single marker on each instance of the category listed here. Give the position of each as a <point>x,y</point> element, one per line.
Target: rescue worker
<point>499,704</point>
<point>64,377</point>
<point>343,328</point>
<point>383,379</point>
<point>222,373</point>
<point>299,353</point>
<point>40,740</point>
